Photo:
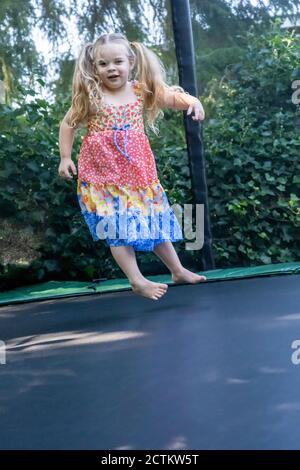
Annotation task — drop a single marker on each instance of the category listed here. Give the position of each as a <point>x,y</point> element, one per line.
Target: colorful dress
<point>118,190</point>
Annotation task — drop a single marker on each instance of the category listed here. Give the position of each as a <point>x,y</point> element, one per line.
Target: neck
<point>115,91</point>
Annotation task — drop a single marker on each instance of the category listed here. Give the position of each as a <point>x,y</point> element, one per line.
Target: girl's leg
<point>166,252</point>
<point>126,259</point>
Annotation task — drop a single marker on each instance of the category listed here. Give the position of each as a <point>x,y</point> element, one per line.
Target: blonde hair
<point>86,87</point>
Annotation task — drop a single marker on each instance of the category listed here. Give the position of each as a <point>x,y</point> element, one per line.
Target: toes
<point>159,294</point>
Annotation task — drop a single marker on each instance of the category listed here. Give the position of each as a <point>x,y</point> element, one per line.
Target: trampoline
<point>208,366</point>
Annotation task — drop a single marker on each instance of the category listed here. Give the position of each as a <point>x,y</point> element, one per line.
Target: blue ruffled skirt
<point>139,217</point>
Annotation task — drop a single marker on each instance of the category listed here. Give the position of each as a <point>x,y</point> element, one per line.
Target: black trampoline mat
<point>208,366</point>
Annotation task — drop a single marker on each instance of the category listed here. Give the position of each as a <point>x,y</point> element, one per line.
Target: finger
<point>74,169</point>
<point>190,109</point>
<point>198,116</point>
<point>65,175</point>
<point>68,172</point>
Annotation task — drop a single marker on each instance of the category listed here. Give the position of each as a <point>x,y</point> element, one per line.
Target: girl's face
<point>113,66</point>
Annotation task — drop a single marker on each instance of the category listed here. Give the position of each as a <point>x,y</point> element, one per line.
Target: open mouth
<point>113,77</point>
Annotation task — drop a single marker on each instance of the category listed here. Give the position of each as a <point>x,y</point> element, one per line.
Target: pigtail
<point>151,75</point>
<point>85,87</point>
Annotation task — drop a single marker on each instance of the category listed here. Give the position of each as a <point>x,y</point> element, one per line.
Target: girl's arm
<point>66,138</point>
<point>177,100</point>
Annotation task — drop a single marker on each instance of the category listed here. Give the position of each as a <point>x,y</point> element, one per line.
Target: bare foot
<point>152,290</point>
<point>187,276</point>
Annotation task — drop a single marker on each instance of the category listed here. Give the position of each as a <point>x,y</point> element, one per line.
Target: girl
<point>117,183</point>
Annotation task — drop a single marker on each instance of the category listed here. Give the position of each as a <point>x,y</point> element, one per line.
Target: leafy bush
<point>252,151</point>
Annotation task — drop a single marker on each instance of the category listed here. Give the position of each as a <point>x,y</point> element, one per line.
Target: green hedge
<point>252,151</point>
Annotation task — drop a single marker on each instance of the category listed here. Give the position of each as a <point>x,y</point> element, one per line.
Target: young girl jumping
<point>117,183</point>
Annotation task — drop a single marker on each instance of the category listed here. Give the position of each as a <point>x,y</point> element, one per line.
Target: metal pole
<point>184,46</point>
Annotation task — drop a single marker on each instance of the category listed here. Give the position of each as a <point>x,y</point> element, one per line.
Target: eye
<point>103,63</point>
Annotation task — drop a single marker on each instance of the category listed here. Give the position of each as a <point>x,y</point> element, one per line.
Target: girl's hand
<point>199,111</point>
<point>65,168</point>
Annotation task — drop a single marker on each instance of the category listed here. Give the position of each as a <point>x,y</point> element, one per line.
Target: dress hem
<point>137,247</point>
